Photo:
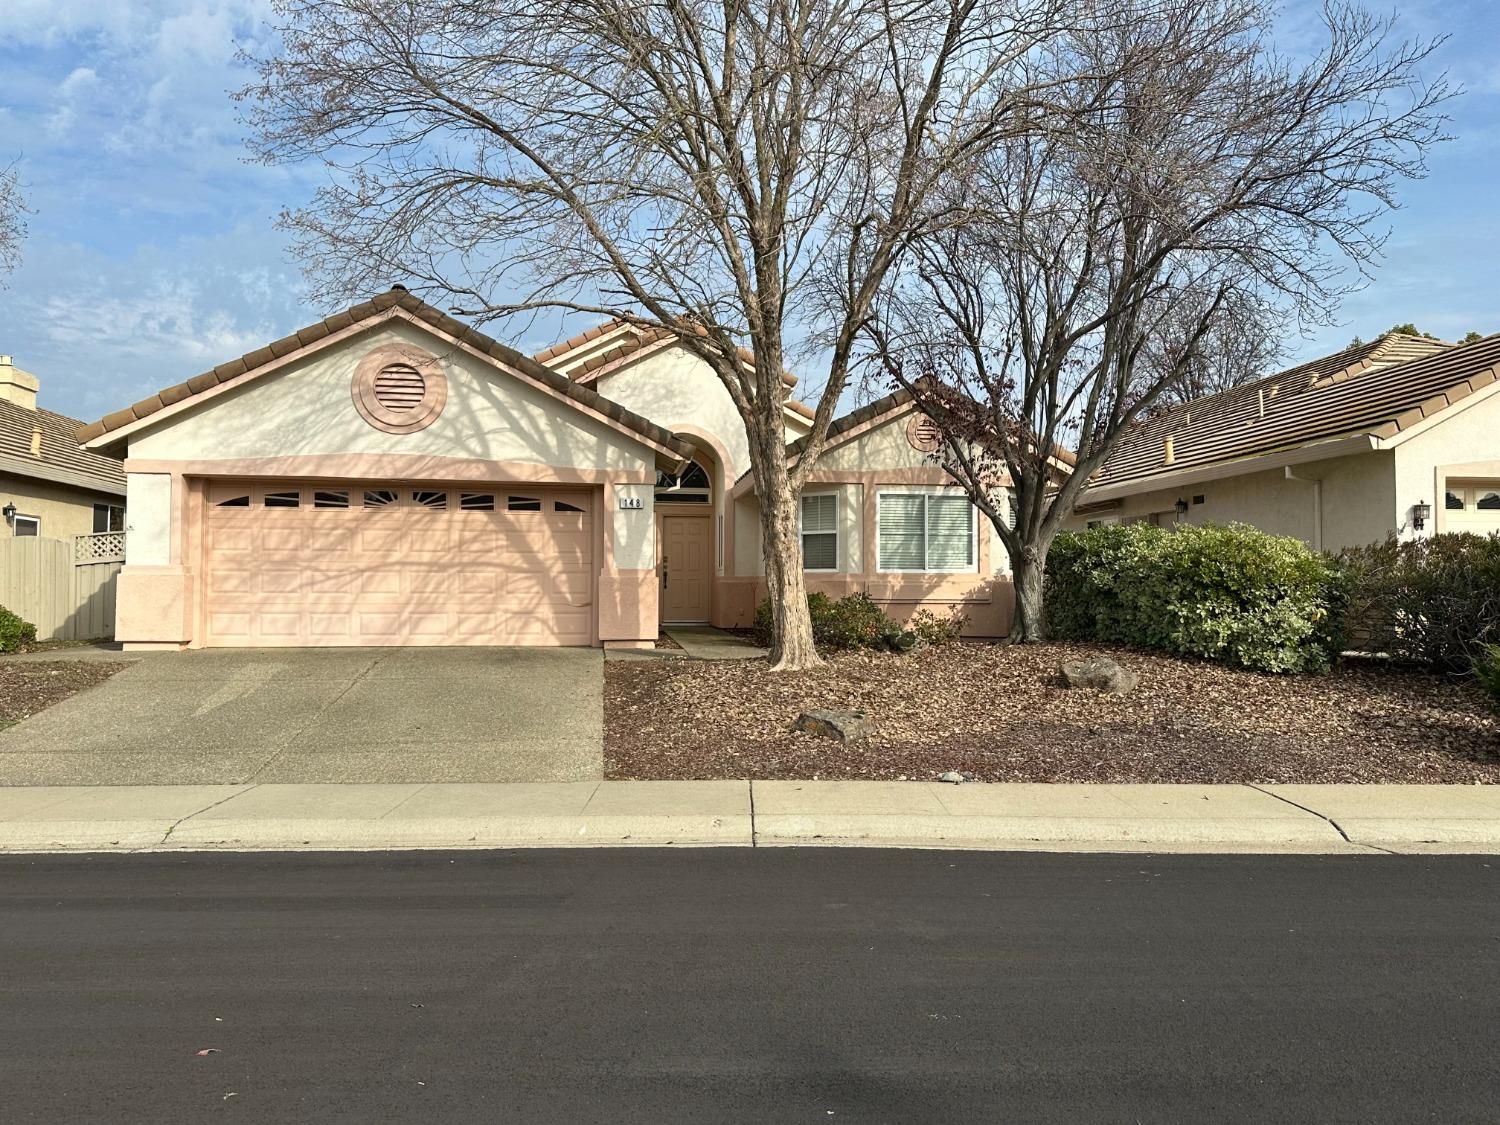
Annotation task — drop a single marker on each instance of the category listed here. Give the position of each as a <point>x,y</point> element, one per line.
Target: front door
<point>686,569</point>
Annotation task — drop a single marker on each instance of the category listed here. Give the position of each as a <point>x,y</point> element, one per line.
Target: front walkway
<point>1321,819</point>
<point>704,642</point>
<point>236,716</point>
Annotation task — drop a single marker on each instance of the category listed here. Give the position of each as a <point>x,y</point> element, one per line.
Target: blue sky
<point>153,255</point>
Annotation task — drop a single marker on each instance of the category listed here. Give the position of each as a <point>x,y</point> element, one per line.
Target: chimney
<point>36,441</point>
<point>1169,453</point>
<point>17,386</point>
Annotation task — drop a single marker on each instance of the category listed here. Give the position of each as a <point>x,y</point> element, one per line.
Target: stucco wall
<point>1467,436</point>
<point>884,447</point>
<point>64,511</point>
<point>148,518</point>
<point>675,388</point>
<point>308,408</point>
<point>1357,501</point>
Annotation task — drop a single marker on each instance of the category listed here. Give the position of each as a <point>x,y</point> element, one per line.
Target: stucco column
<point>154,596</point>
<point>628,613</point>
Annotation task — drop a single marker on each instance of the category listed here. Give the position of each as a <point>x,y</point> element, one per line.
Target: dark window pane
<point>682,498</point>
<point>431,498</point>
<point>338,499</point>
<point>694,477</point>
<point>283,500</point>
<point>235,502</point>
<point>559,506</point>
<point>523,504</point>
<point>1454,502</point>
<point>28,526</point>
<point>476,501</point>
<point>1488,501</point>
<point>379,497</point>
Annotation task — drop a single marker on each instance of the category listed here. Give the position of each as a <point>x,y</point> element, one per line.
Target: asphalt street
<point>749,985</point>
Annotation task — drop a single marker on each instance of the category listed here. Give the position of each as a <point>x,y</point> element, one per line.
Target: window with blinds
<point>820,532</point>
<point>923,531</point>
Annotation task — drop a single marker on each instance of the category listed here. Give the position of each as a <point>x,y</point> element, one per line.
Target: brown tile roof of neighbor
<point>422,311</point>
<point>60,457</point>
<point>870,411</point>
<point>1376,389</point>
<point>637,338</point>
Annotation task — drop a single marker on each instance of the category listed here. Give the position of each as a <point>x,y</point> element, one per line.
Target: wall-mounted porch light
<point>1181,506</point>
<point>10,513</point>
<point>1421,512</point>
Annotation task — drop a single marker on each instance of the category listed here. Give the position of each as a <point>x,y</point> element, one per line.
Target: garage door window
<point>379,497</point>
<point>523,504</point>
<point>1489,500</point>
<point>336,499</point>
<point>283,500</point>
<point>476,501</point>
<point>235,502</point>
<point>430,499</point>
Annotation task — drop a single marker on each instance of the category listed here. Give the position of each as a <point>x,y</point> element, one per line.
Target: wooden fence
<point>65,588</point>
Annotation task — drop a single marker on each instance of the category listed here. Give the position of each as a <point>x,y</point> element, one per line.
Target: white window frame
<point>35,521</point>
<point>838,539</point>
<point>972,568</point>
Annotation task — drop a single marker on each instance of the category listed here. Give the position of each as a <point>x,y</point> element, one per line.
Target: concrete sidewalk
<point>1347,819</point>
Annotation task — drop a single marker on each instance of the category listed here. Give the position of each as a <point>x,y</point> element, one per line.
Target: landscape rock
<point>954,777</point>
<point>1100,673</point>
<point>841,726</point>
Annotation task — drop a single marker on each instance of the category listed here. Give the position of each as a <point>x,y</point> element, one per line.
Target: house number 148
<point>631,503</point>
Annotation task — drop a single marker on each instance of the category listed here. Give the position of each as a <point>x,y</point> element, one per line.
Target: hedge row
<point>1229,594</point>
<point>1241,597</point>
<point>1432,602</point>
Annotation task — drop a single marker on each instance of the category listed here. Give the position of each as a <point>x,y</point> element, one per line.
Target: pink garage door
<point>360,563</point>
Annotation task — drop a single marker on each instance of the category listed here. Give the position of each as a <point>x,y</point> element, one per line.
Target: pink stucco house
<point>390,476</point>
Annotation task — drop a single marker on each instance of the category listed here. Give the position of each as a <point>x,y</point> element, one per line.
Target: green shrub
<point>1229,594</point>
<point>934,630</point>
<point>15,634</point>
<point>1487,670</point>
<point>850,622</point>
<point>1433,602</point>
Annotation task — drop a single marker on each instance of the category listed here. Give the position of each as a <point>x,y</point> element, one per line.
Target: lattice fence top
<point>104,546</point>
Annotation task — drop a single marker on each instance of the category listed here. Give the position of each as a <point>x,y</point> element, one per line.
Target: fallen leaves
<point>1002,713</point>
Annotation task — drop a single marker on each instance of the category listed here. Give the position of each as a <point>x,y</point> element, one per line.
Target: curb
<point>1233,819</point>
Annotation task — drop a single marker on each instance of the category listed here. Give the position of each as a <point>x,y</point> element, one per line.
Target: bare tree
<point>1209,192</point>
<point>738,173</point>
<point>13,212</point>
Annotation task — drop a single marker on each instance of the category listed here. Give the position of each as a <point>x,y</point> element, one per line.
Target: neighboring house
<point>1400,436</point>
<point>49,486</point>
<point>391,476</point>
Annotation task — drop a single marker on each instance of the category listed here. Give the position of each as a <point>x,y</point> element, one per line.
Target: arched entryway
<point>685,547</point>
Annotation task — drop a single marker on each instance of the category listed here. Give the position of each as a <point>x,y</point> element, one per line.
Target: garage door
<point>367,563</point>
<point>1473,506</point>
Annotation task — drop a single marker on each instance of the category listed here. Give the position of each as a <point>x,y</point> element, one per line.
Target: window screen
<point>820,538</point>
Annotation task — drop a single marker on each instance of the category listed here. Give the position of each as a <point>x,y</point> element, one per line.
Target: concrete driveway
<point>323,715</point>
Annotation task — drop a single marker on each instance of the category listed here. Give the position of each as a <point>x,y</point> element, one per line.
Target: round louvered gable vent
<point>922,433</point>
<point>399,388</point>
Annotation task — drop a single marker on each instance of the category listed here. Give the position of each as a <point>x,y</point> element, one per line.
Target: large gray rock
<point>841,726</point>
<point>1100,673</point>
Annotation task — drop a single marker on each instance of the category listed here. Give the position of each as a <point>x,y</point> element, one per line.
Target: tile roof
<point>892,404</point>
<point>637,337</point>
<point>61,457</point>
<point>1378,389</point>
<point>395,298</point>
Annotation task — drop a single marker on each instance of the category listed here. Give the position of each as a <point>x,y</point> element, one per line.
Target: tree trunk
<point>1030,625</point>
<point>792,646</point>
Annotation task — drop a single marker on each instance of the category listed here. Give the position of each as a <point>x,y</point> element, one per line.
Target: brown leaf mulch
<point>26,688</point>
<point>1002,713</point>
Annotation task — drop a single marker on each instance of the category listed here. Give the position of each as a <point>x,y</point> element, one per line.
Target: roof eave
<point>41,470</point>
<point>1234,467</point>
